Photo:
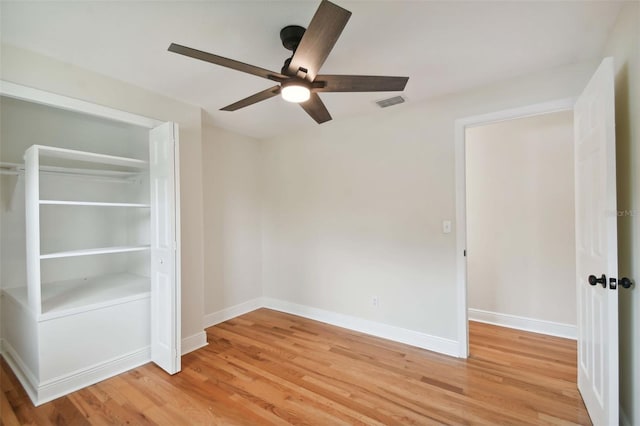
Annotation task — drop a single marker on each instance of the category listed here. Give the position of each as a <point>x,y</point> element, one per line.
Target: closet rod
<point>12,169</point>
<point>9,172</point>
<point>18,169</point>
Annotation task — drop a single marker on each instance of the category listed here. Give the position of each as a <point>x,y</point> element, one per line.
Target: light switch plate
<point>446,226</point>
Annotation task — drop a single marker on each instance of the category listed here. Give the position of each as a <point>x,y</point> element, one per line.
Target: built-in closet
<point>90,254</point>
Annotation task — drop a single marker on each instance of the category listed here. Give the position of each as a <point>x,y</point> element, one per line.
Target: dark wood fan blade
<point>316,109</point>
<point>226,62</point>
<point>319,38</point>
<point>359,83</point>
<point>260,96</point>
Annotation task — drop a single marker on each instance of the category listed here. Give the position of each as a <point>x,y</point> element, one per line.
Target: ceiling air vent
<point>391,101</point>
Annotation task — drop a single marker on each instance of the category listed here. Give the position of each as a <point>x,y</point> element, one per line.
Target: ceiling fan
<point>299,81</point>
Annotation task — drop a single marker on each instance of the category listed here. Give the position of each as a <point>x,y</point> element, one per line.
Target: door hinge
<point>465,253</point>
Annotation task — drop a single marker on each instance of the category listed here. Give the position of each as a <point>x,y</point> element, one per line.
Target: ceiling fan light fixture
<point>295,91</point>
<point>299,77</point>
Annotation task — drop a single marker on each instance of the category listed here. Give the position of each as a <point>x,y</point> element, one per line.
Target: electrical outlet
<point>375,302</point>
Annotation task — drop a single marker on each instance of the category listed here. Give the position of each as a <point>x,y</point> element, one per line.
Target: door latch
<point>613,283</point>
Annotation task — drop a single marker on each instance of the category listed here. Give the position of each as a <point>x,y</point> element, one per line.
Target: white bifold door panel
<point>596,246</point>
<point>165,330</point>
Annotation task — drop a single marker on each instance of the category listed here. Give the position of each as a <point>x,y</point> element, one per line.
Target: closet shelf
<point>62,298</point>
<point>90,252</point>
<point>90,157</point>
<point>91,203</point>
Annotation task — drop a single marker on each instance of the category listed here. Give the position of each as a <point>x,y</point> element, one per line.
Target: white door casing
<point>165,306</point>
<point>596,246</point>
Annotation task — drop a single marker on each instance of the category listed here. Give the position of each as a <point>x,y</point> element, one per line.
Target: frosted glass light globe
<point>295,93</point>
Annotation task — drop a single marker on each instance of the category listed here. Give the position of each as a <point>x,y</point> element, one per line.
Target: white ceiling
<point>443,46</point>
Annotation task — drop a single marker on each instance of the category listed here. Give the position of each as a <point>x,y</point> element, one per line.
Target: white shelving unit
<point>39,293</point>
<point>94,282</point>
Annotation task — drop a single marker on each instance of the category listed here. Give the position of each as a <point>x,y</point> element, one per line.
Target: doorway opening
<point>497,160</point>
<point>520,224</point>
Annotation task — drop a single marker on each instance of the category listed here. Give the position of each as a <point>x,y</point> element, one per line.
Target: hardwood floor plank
<point>91,407</point>
<point>291,383</point>
<point>66,413</point>
<point>271,368</point>
<point>9,417</point>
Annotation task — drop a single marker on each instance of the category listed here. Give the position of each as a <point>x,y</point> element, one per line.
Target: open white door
<point>165,283</point>
<point>596,246</point>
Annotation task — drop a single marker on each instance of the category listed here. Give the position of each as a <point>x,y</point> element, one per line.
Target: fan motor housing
<point>291,36</point>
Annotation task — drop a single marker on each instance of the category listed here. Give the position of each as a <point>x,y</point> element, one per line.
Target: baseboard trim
<point>48,390</point>
<point>25,376</point>
<point>193,342</point>
<point>385,331</point>
<point>63,385</point>
<point>551,328</point>
<point>233,311</point>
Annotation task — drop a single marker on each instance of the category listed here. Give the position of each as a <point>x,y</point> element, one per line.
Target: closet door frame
<point>29,94</point>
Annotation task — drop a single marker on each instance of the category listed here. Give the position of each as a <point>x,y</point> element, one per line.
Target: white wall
<point>33,70</point>
<point>353,209</point>
<point>624,46</point>
<point>520,218</point>
<point>232,237</point>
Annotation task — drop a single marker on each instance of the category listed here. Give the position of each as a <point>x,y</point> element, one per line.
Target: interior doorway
<point>521,225</point>
<point>506,162</point>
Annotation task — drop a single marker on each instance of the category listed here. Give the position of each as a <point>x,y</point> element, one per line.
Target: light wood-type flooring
<point>267,367</point>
